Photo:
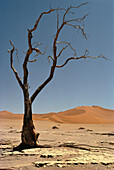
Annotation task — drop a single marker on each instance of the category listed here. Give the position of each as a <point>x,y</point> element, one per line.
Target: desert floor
<point>72,146</point>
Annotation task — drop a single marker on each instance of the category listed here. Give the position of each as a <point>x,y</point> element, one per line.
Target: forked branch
<point>72,7</point>
<point>38,51</point>
<point>68,44</point>
<point>71,22</point>
<point>55,56</point>
<point>31,49</point>
<point>44,13</point>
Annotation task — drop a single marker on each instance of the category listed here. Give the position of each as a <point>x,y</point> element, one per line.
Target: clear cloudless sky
<point>79,82</point>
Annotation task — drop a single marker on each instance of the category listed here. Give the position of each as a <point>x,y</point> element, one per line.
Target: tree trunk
<point>29,136</point>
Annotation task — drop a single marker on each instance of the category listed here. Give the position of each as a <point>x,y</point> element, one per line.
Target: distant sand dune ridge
<point>80,115</point>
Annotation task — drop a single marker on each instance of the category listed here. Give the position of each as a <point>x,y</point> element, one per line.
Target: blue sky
<point>78,83</point>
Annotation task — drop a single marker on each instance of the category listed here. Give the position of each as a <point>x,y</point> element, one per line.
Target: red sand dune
<point>8,115</point>
<point>82,114</point>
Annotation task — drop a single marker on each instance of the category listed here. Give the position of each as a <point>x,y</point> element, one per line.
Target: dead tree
<point>29,136</point>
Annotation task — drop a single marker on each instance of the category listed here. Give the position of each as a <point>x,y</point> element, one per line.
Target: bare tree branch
<point>83,33</point>
<point>68,22</point>
<point>66,13</point>
<point>79,27</point>
<point>25,69</point>
<point>55,40</point>
<point>30,50</point>
<point>68,44</point>
<point>77,58</point>
<point>12,67</point>
<point>57,20</point>
<point>49,58</point>
<point>17,55</point>
<point>38,51</point>
<point>79,5</point>
<point>37,44</point>
<point>84,17</point>
<point>32,61</point>
<point>54,51</point>
<point>72,25</point>
<point>62,50</point>
<point>30,36</point>
<point>72,7</point>
<point>36,55</point>
<point>80,22</point>
<point>28,53</point>
<point>45,83</point>
<point>44,13</point>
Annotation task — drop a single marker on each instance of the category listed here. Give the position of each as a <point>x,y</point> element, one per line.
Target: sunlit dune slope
<point>88,114</point>
<point>8,115</point>
<point>82,114</point>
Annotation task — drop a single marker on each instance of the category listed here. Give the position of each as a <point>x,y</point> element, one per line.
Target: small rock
<point>55,127</point>
<point>111,143</point>
<point>89,130</point>
<point>50,156</point>
<point>81,128</point>
<point>43,156</point>
<point>47,156</point>
<point>40,165</point>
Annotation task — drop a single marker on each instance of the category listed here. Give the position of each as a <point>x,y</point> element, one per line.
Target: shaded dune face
<point>80,115</point>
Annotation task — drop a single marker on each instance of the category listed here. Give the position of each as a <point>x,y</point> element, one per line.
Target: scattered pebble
<point>81,128</point>
<point>55,127</point>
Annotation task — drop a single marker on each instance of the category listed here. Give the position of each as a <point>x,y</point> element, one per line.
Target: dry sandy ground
<point>72,146</point>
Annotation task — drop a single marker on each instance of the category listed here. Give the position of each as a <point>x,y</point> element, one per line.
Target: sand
<point>78,115</point>
<point>72,146</point>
